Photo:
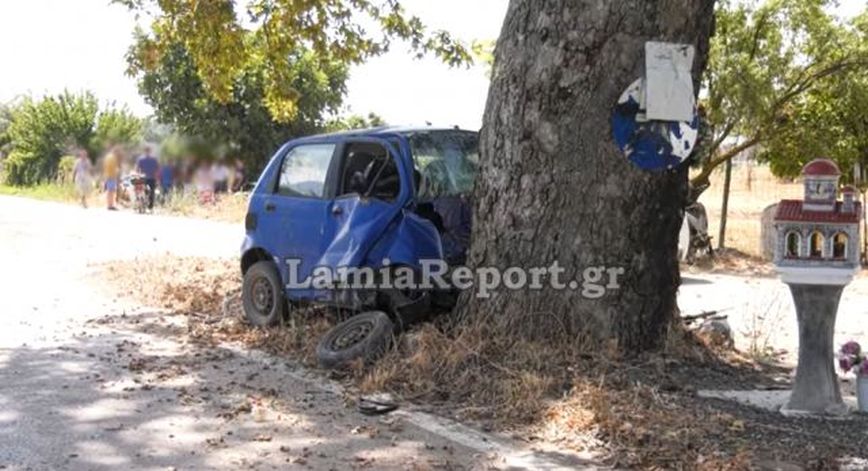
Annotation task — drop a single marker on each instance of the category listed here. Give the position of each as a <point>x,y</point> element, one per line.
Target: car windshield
<point>446,161</point>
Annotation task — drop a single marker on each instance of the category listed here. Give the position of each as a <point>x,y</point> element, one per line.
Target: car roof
<point>377,132</point>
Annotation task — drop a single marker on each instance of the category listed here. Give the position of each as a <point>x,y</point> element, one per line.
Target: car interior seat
<point>354,180</point>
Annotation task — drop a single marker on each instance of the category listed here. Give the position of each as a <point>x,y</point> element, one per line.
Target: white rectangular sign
<point>668,83</point>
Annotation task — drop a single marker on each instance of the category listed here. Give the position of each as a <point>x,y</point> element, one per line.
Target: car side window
<point>304,170</point>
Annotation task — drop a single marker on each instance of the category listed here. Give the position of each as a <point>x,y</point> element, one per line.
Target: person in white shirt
<point>220,175</point>
<point>204,181</point>
<point>82,176</point>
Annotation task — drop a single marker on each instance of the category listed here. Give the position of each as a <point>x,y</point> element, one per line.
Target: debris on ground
<point>733,261</point>
<point>716,332</point>
<point>640,413</point>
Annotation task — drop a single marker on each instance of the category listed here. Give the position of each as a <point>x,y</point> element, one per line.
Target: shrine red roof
<point>791,210</point>
<point>821,167</point>
<point>849,189</point>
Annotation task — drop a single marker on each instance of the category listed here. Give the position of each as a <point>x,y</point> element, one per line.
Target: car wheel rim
<point>262,296</point>
<point>352,336</point>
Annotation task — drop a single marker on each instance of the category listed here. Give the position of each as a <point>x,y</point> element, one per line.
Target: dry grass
<point>207,291</point>
<point>637,413</point>
<point>228,207</point>
<point>557,392</point>
<point>190,285</point>
<point>753,188</point>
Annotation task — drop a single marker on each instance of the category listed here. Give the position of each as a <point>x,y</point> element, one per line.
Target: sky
<point>49,45</point>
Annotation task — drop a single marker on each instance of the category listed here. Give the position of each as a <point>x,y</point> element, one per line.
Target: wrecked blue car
<point>385,199</point>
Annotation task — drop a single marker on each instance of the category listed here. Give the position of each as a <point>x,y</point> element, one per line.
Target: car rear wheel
<point>262,295</point>
<point>366,335</point>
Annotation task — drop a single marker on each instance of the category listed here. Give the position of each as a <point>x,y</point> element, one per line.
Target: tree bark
<point>553,186</point>
<point>700,181</point>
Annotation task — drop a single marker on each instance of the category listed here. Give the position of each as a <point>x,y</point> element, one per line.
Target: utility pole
<point>721,239</point>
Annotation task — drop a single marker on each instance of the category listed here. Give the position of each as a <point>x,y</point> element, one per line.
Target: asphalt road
<point>92,382</point>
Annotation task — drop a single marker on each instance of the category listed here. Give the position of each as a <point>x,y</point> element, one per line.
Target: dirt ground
<point>138,340</point>
<point>647,416</point>
<point>753,188</point>
<point>90,379</point>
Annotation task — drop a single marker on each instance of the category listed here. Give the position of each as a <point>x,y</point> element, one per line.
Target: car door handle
<point>270,206</point>
<point>337,210</point>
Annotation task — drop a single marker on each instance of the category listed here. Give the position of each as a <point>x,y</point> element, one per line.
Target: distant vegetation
<point>36,133</point>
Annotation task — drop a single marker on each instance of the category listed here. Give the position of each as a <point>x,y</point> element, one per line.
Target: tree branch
<point>702,177</point>
<point>796,89</point>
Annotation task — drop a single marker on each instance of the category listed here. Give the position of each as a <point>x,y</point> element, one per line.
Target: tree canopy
<point>5,121</point>
<point>830,120</point>
<point>243,125</point>
<point>221,45</point>
<point>768,64</point>
<point>40,131</point>
<point>372,120</point>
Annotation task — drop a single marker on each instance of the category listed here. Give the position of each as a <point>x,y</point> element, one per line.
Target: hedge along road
<point>103,395</point>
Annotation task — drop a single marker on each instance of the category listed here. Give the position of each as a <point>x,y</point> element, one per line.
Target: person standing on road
<point>148,166</point>
<point>81,176</point>
<point>203,178</point>
<point>238,183</point>
<point>220,175</point>
<point>111,169</point>
<point>167,180</point>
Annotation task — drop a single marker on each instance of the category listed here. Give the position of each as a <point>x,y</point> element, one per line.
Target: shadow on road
<point>111,399</point>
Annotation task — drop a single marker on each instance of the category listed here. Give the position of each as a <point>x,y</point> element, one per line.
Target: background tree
<point>5,122</point>
<point>243,125</point>
<point>41,131</point>
<point>765,59</point>
<point>115,126</point>
<point>155,131</point>
<point>483,53</point>
<point>274,32</point>
<point>371,120</point>
<point>829,120</point>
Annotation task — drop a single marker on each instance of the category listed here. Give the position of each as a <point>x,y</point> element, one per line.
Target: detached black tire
<point>262,295</point>
<point>366,335</point>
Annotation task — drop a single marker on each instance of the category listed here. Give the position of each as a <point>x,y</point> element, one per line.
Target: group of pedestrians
<point>206,178</point>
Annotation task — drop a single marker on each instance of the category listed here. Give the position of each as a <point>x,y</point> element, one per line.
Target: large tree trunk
<point>553,186</point>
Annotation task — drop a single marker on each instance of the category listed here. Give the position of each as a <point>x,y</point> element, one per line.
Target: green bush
<point>65,169</point>
<point>41,132</point>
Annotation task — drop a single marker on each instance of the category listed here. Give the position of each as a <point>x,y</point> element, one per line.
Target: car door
<point>358,220</point>
<point>313,221</point>
<point>297,210</point>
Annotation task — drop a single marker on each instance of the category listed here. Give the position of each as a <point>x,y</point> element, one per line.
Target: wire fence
<point>753,188</point>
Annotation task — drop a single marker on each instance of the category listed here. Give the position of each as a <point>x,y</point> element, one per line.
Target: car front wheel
<point>262,295</point>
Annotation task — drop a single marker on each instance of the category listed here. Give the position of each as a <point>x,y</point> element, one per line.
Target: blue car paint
<point>348,231</point>
<point>412,239</point>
